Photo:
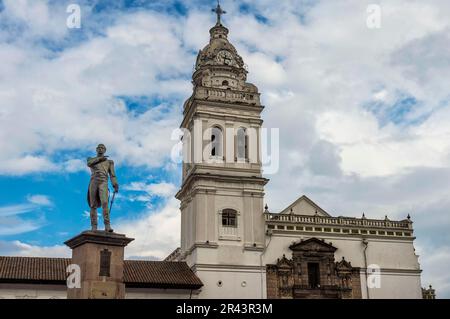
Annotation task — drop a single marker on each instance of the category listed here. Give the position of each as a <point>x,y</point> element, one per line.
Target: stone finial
<point>364,216</point>
<point>408,217</point>
<point>386,217</point>
<point>266,209</point>
<point>292,210</point>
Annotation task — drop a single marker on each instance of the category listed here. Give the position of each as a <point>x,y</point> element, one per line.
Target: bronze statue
<point>98,192</point>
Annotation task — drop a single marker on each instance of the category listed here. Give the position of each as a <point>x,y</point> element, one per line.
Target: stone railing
<point>228,231</point>
<point>230,96</point>
<point>337,221</point>
<point>338,225</point>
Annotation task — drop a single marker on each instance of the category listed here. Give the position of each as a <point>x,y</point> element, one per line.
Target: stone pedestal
<point>100,256</point>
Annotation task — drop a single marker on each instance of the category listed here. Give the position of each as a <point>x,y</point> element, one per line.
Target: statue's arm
<point>112,175</point>
<point>91,161</point>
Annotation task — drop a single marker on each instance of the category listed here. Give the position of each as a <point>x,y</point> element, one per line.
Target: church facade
<point>232,245</point>
<point>235,245</point>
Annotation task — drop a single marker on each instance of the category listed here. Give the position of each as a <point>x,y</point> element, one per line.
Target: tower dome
<point>219,64</point>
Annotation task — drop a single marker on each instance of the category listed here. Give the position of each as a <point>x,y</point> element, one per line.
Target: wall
<point>232,282</point>
<point>399,267</point>
<point>32,291</point>
<point>38,291</point>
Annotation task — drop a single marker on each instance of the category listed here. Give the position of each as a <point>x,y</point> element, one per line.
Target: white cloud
<point>156,232</point>
<point>18,248</point>
<point>37,16</point>
<point>41,200</point>
<point>162,189</point>
<point>25,217</point>
<point>25,165</point>
<point>75,165</point>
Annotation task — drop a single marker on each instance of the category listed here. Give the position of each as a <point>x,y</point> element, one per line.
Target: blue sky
<point>363,114</point>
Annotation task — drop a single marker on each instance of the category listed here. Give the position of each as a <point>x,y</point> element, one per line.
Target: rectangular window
<point>229,218</point>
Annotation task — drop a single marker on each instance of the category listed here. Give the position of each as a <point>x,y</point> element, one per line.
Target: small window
<point>216,142</point>
<point>225,83</point>
<point>242,144</point>
<point>229,218</point>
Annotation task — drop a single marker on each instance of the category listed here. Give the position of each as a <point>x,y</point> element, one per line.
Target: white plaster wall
<point>32,291</point>
<point>399,267</point>
<point>387,253</point>
<point>143,293</point>
<point>36,291</point>
<point>394,285</point>
<point>237,283</point>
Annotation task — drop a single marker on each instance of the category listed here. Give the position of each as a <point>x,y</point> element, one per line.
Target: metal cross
<point>218,10</point>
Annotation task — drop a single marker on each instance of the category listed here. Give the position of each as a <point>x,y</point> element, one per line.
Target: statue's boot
<point>108,228</point>
<point>106,219</point>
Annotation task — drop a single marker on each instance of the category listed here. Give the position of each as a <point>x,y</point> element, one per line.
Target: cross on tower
<point>218,10</point>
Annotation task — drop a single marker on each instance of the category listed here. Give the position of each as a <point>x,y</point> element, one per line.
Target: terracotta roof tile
<point>137,273</point>
<point>160,273</point>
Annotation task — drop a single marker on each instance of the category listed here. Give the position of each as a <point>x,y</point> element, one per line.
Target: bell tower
<point>222,192</point>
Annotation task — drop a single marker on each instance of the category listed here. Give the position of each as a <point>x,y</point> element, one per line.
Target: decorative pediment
<point>343,265</point>
<point>313,244</point>
<point>284,263</point>
<point>305,206</point>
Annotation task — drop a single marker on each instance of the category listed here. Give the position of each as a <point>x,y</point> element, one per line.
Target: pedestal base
<point>100,257</point>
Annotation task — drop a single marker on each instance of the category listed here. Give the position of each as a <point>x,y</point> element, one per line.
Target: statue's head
<point>101,149</point>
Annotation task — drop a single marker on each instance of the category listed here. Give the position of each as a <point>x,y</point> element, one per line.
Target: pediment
<point>304,206</point>
<point>284,263</point>
<point>313,244</point>
<point>343,265</point>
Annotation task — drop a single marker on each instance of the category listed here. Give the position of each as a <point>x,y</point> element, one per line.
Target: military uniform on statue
<point>99,254</point>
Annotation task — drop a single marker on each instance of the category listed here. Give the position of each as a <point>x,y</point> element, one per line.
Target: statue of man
<point>98,193</point>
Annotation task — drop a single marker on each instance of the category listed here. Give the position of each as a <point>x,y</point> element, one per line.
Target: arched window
<point>225,83</point>
<point>229,218</point>
<point>242,144</point>
<point>216,142</point>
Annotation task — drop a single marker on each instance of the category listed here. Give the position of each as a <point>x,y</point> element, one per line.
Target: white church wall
<point>232,282</point>
<point>393,285</point>
<point>39,291</point>
<point>399,267</point>
<point>32,291</point>
<point>148,293</point>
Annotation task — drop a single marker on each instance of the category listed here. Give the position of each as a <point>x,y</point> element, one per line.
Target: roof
<point>295,206</point>
<point>137,273</point>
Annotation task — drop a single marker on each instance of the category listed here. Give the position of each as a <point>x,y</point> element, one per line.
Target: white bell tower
<point>222,193</point>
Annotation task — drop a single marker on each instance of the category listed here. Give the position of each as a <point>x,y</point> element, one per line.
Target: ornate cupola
<point>219,65</point>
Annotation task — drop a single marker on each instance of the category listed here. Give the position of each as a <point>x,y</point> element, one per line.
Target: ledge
<point>98,237</point>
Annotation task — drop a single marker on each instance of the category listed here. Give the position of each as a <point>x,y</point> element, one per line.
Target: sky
<point>362,112</point>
